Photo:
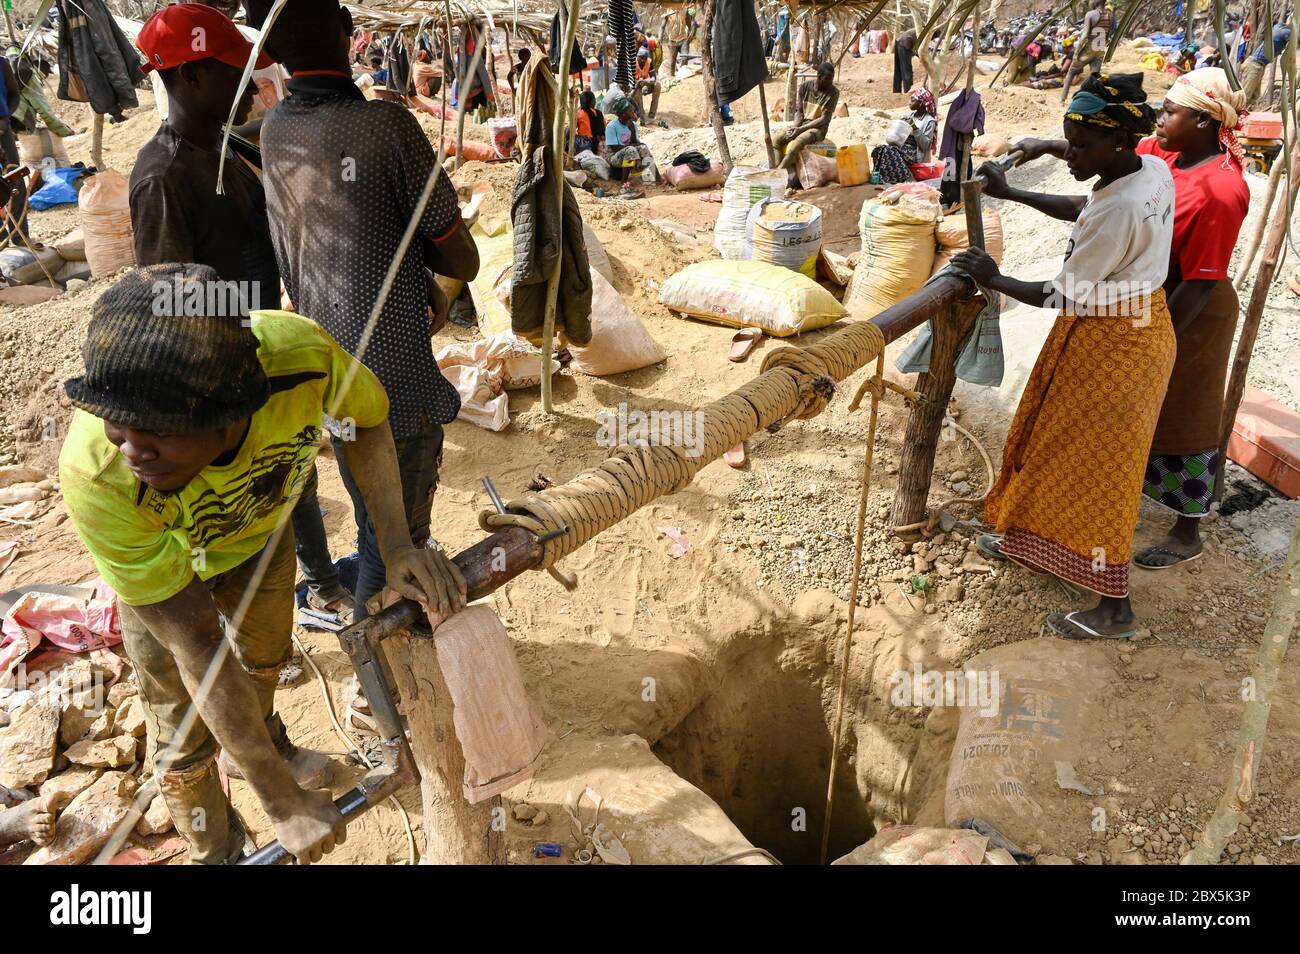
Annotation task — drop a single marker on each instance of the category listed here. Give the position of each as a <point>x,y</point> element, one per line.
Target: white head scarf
<point>1207,90</point>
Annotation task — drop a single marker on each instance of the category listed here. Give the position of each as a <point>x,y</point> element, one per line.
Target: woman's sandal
<point>990,544</point>
<point>1143,558</point>
<point>1065,626</point>
<point>743,342</point>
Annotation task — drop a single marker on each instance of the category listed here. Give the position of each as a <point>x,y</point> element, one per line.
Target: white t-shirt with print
<point>1119,248</point>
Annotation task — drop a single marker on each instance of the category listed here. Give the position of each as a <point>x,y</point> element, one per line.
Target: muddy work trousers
<point>789,145</point>
<point>181,746</point>
<point>638,97</point>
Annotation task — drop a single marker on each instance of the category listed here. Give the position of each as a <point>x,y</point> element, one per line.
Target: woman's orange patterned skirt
<point>1071,482</point>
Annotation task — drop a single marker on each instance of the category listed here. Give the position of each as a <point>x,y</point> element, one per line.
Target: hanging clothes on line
<point>97,63</point>
<point>477,89</point>
<point>577,61</point>
<point>621,22</point>
<point>536,213</point>
<point>965,119</point>
<point>398,64</point>
<point>738,61</point>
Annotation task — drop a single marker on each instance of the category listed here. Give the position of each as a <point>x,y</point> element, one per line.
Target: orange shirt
<point>643,72</point>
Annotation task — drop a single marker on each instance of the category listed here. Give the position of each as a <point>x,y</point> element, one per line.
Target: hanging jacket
<point>478,88</point>
<point>965,115</point>
<point>398,64</point>
<point>738,61</point>
<point>535,213</point>
<point>577,62</point>
<point>97,64</point>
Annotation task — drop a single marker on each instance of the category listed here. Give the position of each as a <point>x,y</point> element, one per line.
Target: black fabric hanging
<point>738,61</point>
<point>577,62</point>
<point>399,67</point>
<point>97,63</point>
<point>622,27</point>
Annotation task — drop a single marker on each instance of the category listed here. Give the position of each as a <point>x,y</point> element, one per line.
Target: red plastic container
<point>1266,441</point>
<point>926,170</point>
<point>1262,126</point>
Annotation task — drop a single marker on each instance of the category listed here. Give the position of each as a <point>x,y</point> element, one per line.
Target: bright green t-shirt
<point>149,545</point>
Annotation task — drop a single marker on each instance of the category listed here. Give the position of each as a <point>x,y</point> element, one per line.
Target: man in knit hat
<point>196,431</point>
<point>177,215</point>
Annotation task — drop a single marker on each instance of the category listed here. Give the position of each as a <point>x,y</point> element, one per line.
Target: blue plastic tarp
<point>59,188</point>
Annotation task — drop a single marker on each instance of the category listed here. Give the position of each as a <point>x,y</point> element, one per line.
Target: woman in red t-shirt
<point>1194,135</point>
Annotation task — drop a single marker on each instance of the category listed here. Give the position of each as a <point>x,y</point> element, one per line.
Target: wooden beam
<point>791,79</point>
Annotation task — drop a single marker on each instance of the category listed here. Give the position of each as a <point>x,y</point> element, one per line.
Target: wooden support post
<point>767,128</point>
<point>97,142</point>
<point>1240,790</point>
<point>557,171</point>
<point>711,87</point>
<point>1255,311</point>
<point>791,79</point>
<point>950,325</point>
<point>448,59</point>
<point>455,832</point>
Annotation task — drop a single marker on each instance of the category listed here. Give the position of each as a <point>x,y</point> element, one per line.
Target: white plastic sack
<point>106,222</point>
<point>482,371</point>
<point>594,165</point>
<point>745,187</point>
<point>619,341</point>
<point>499,728</point>
<point>897,132</point>
<point>786,233</point>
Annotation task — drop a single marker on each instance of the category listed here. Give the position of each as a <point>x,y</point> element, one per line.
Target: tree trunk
<point>455,832</point>
<point>925,424</point>
<point>711,86</point>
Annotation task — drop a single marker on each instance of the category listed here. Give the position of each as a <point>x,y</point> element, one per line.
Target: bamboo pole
<point>711,86</point>
<point>460,119</point>
<point>1258,695</point>
<point>1226,56</point>
<point>448,57</point>
<point>1255,311</point>
<point>557,153</point>
<point>974,50</point>
<point>791,79</point>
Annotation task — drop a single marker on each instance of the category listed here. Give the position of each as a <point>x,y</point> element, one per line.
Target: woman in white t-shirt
<point>1066,501</point>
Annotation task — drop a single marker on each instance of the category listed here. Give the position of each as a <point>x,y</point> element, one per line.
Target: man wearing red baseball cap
<point>176,212</point>
<point>189,32</point>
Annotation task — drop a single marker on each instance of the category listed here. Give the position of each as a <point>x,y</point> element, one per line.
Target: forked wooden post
<point>455,832</point>
<point>951,324</point>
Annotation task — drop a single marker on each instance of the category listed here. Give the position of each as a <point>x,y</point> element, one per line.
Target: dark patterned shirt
<point>343,175</point>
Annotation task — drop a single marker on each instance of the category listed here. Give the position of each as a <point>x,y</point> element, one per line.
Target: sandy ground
<point>740,633</point>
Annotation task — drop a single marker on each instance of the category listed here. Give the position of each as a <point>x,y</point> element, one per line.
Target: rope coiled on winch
<point>795,383</point>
